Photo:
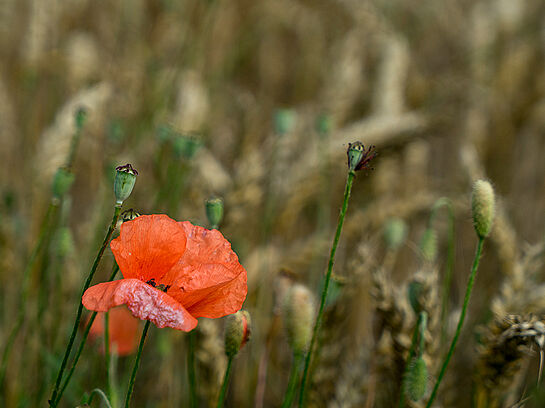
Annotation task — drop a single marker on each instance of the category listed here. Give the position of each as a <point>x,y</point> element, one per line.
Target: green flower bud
<point>62,181</point>
<point>358,157</point>
<point>428,245</point>
<point>417,379</point>
<point>482,206</point>
<point>298,316</point>
<point>284,121</point>
<point>214,211</point>
<point>415,293</point>
<point>395,233</point>
<point>237,332</point>
<point>124,182</point>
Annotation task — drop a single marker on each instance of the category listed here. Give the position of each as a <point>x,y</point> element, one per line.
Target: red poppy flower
<point>123,330</point>
<point>174,272</point>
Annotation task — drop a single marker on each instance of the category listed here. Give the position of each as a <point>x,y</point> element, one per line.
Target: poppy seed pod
<point>417,379</point>
<point>63,180</point>
<point>124,182</point>
<point>428,245</point>
<point>482,206</point>
<point>214,211</point>
<point>358,157</point>
<point>298,315</point>
<point>237,332</point>
<point>395,232</point>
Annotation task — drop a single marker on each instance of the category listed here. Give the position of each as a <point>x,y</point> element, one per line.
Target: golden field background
<point>448,92</point>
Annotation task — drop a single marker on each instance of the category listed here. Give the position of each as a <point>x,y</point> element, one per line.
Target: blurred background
<point>256,102</point>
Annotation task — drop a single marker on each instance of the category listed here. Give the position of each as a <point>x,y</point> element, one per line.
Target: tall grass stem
<point>191,369</point>
<point>225,383</point>
<point>292,383</point>
<point>136,364</point>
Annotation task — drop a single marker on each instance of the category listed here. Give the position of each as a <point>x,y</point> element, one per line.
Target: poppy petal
<point>148,247</point>
<point>123,330</point>
<point>143,300</point>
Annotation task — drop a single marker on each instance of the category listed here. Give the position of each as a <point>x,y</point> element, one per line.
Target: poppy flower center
<point>159,286</point>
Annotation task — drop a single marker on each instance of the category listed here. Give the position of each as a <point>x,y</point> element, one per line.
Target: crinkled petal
<point>143,300</point>
<point>148,247</point>
<point>208,279</point>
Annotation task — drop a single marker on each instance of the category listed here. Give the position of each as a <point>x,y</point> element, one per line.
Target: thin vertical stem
<point>44,232</point>
<point>82,342</point>
<point>54,400</point>
<point>191,369</point>
<point>107,353</point>
<point>136,364</point>
<point>223,390</point>
<point>347,190</point>
<point>292,383</point>
<point>460,322</point>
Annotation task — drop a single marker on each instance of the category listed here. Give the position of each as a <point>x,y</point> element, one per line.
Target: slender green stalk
<point>191,369</point>
<point>136,364</point>
<point>347,191</point>
<point>460,322</point>
<point>101,394</point>
<point>54,400</point>
<point>412,353</point>
<point>44,232</point>
<point>82,343</point>
<point>107,352</point>
<point>292,384</point>
<point>223,390</point>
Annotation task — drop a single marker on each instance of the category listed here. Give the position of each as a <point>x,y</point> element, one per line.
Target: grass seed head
<point>298,314</point>
<point>482,206</point>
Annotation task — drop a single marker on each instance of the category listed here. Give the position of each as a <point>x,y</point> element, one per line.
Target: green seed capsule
<point>214,211</point>
<point>395,232</point>
<point>124,182</point>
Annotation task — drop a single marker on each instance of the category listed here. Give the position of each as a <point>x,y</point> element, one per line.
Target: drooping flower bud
<point>124,182</point>
<point>62,181</point>
<point>417,379</point>
<point>298,316</point>
<point>358,157</point>
<point>482,206</point>
<point>214,211</point>
<point>395,232</point>
<point>428,245</point>
<point>237,332</point>
<point>415,292</point>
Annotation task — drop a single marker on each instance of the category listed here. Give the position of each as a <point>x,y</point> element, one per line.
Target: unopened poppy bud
<point>482,206</point>
<point>129,215</point>
<point>124,182</point>
<point>214,211</point>
<point>395,232</point>
<point>62,181</point>
<point>237,332</point>
<point>415,292</point>
<point>284,121</point>
<point>428,245</point>
<point>298,316</point>
<point>417,379</point>
<point>81,117</point>
<point>358,157</point>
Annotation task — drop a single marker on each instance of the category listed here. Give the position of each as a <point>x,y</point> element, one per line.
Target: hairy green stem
<point>44,232</point>
<point>292,384</point>
<point>191,369</point>
<point>136,364</point>
<point>412,352</point>
<point>347,190</point>
<point>460,322</point>
<point>223,390</point>
<point>82,343</point>
<point>54,400</point>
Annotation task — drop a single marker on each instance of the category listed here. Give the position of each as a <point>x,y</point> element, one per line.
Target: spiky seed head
<point>124,182</point>
<point>214,211</point>
<point>237,332</point>
<point>483,207</point>
<point>395,232</point>
<point>298,316</point>
<point>417,379</point>
<point>428,245</point>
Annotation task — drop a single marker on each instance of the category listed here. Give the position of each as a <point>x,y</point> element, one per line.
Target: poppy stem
<point>54,398</point>
<point>294,375</point>
<point>412,352</point>
<point>107,353</point>
<point>225,383</point>
<point>82,342</point>
<point>102,395</point>
<point>347,190</point>
<point>460,322</point>
<point>191,369</point>
<point>136,364</point>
